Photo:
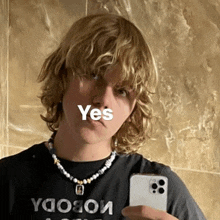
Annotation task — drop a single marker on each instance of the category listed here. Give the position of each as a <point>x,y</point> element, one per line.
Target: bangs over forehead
<point>98,43</point>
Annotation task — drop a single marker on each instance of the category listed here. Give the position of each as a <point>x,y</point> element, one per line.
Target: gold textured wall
<point>185,39</point>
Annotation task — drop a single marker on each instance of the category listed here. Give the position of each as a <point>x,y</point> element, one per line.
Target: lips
<point>96,121</point>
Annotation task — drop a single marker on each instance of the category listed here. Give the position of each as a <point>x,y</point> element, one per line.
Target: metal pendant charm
<point>79,190</point>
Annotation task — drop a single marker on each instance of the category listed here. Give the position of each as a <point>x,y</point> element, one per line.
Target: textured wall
<point>3,75</point>
<point>185,39</point>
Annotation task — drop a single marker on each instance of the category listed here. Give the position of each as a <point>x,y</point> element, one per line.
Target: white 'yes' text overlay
<point>95,113</point>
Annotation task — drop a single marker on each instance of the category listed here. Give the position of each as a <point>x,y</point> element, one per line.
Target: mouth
<point>100,121</point>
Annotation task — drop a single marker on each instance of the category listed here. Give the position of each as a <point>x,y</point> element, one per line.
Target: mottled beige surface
<point>3,74</point>
<point>185,39</point>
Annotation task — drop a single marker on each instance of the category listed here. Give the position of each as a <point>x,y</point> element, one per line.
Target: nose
<point>104,97</point>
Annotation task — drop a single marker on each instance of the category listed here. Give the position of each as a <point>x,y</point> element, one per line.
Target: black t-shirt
<point>32,187</point>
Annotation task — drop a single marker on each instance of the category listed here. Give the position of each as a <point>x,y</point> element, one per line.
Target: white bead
<point>84,181</point>
<point>68,175</point>
<point>100,172</point>
<point>75,180</point>
<point>54,156</point>
<point>107,163</point>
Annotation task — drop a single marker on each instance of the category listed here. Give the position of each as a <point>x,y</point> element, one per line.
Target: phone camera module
<point>161,190</point>
<point>154,185</point>
<point>154,180</point>
<point>161,182</point>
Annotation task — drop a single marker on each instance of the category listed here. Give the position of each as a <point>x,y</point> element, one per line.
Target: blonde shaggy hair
<point>94,44</point>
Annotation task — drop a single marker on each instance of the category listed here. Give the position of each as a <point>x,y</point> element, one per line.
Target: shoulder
<point>138,163</point>
<point>24,157</point>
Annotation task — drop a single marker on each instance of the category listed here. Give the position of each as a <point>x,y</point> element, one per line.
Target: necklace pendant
<point>79,190</point>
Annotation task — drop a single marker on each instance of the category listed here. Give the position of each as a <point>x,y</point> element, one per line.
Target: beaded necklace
<point>79,190</point>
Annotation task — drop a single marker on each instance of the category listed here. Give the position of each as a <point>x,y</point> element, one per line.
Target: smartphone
<point>150,190</point>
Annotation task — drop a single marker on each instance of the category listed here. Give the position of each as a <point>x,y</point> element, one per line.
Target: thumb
<point>128,210</point>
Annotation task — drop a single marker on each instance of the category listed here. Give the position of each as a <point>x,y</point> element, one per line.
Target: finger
<point>137,218</point>
<point>142,211</point>
<point>146,212</point>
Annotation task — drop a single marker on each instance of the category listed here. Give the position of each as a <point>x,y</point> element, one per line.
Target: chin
<point>92,137</point>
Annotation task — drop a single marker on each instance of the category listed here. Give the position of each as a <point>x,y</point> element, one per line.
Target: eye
<point>95,76</point>
<point>123,92</point>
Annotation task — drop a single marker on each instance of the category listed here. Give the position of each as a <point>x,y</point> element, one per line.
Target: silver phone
<point>149,190</point>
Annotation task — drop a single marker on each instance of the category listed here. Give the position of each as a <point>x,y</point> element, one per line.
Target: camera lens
<point>161,190</point>
<point>161,182</point>
<point>154,185</point>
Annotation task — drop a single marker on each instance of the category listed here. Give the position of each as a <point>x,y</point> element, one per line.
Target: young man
<point>96,91</point>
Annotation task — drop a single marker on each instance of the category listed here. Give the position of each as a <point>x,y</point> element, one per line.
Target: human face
<point>99,92</point>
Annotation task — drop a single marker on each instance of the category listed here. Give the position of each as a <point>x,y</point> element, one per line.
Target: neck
<point>73,149</point>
